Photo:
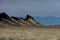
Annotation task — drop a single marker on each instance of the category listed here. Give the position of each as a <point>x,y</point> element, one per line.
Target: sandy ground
<point>30,34</point>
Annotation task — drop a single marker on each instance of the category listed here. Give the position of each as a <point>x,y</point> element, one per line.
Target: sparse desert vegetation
<point>30,34</point>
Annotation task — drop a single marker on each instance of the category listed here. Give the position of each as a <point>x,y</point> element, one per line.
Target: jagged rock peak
<point>29,17</point>
<point>4,15</point>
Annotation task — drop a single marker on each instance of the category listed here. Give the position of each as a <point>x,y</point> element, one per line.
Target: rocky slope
<point>12,21</point>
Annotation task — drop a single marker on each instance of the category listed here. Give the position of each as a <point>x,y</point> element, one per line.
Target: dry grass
<point>29,34</point>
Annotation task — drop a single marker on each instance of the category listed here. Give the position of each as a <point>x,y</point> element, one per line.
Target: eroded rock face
<point>29,17</point>
<point>5,16</point>
<point>0,17</point>
<point>16,18</point>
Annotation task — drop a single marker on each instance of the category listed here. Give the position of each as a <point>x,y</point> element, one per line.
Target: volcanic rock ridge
<point>12,21</point>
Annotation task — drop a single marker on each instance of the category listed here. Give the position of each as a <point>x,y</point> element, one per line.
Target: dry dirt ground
<point>29,34</point>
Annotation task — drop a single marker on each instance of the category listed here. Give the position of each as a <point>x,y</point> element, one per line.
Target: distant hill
<point>48,20</point>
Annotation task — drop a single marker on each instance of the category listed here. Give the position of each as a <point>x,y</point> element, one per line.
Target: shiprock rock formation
<point>13,21</point>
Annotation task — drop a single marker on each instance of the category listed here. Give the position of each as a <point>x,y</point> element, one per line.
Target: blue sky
<point>33,7</point>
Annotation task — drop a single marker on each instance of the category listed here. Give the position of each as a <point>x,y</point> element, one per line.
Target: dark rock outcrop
<point>0,17</point>
<point>29,17</point>
<point>16,18</point>
<point>5,16</point>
